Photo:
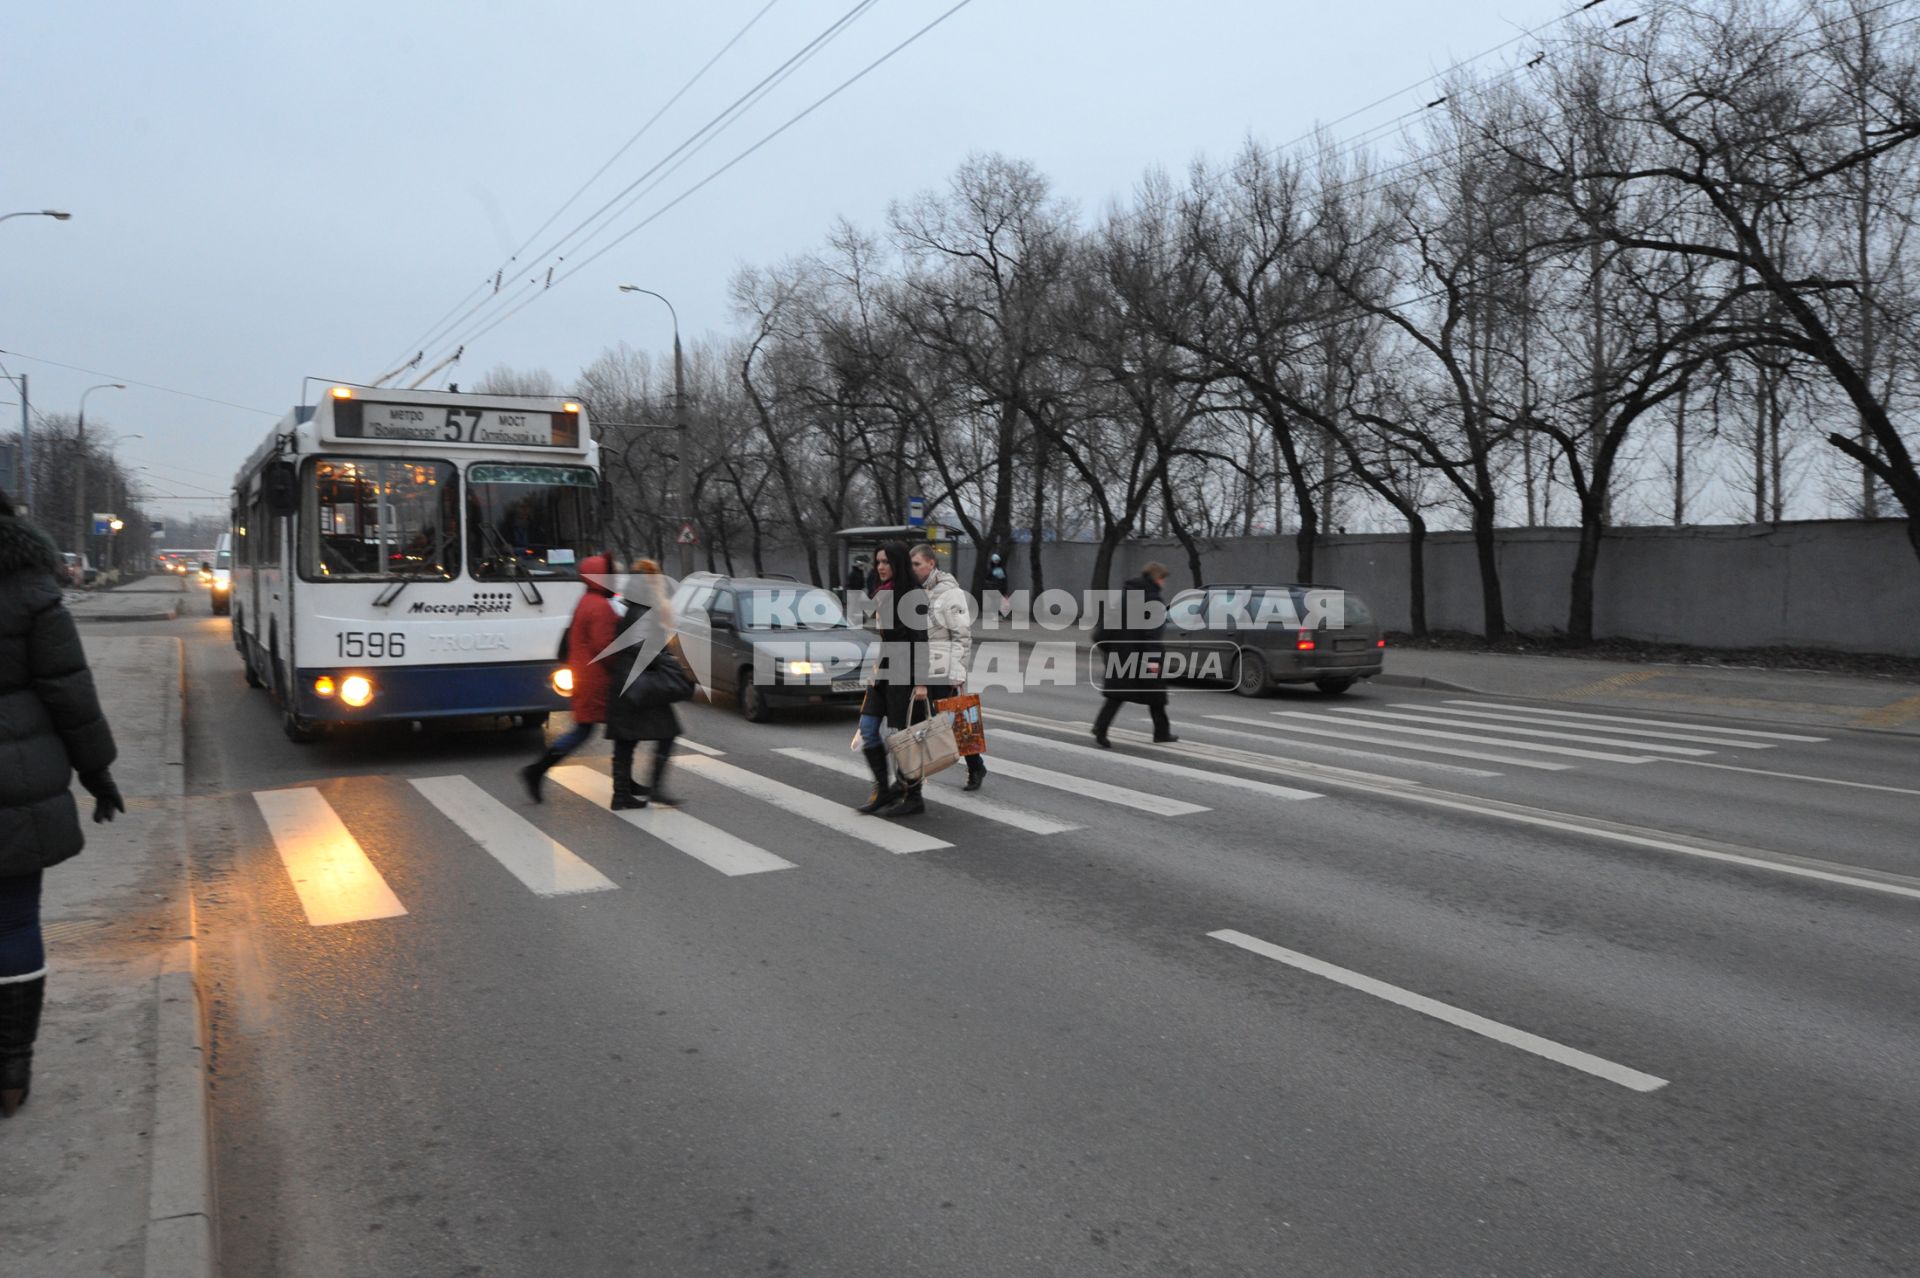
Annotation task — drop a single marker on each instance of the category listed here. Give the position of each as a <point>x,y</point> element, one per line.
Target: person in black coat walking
<point>634,716</point>
<point>1141,638</point>
<point>50,727</point>
<point>890,692</point>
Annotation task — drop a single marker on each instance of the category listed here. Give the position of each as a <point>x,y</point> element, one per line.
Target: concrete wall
<point>1849,585</point>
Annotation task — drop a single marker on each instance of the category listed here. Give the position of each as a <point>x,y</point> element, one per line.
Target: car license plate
<point>847,685</point>
<point>1349,645</point>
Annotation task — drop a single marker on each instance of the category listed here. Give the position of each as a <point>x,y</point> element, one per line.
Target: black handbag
<point>661,684</point>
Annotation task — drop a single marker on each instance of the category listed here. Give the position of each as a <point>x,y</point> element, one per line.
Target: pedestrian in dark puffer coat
<point>628,721</point>
<point>50,727</point>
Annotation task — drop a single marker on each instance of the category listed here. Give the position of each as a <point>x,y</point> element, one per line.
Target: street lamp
<point>683,468</point>
<point>58,215</point>
<point>80,466</point>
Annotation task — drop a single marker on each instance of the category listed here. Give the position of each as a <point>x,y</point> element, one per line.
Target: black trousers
<point>1156,707</point>
<point>623,759</point>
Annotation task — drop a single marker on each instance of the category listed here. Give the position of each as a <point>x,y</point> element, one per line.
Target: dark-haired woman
<point>50,727</point>
<point>890,691</point>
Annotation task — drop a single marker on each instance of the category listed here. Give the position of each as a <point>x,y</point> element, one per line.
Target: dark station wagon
<point>1284,633</point>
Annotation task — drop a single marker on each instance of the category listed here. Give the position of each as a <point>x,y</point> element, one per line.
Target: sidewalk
<point>106,1169</point>
<point>1803,697</point>
<point>149,599</point>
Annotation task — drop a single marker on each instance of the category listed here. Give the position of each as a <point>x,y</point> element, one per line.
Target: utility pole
<point>26,449</point>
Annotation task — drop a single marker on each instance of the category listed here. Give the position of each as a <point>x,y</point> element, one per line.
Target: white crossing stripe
<point>1267,788</point>
<point>1458,714</point>
<point>1087,788</point>
<point>681,743</point>
<point>1269,738</point>
<point>878,831</point>
<point>1452,752</point>
<point>1546,731</point>
<point>1652,723</point>
<point>1573,1057</point>
<point>992,809</point>
<point>705,843</point>
<point>335,880</point>
<point>1373,725</point>
<point>531,855</point>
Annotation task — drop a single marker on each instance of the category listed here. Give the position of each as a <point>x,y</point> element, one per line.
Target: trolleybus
<point>413,555</point>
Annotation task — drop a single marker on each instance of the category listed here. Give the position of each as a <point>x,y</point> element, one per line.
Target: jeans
<point>870,732</point>
<point>570,740</point>
<point>21,952</point>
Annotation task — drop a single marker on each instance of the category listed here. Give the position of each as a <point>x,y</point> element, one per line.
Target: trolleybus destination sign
<point>512,427</point>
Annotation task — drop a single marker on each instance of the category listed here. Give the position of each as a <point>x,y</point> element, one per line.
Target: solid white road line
<point>992,809</point>
<point>1266,788</point>
<point>706,844</point>
<point>1269,738</point>
<point>335,880</point>
<point>1457,712</point>
<point>1372,725</point>
<point>1798,776</point>
<point>1587,1063</point>
<point>529,853</point>
<point>1652,723</point>
<point>1585,737</point>
<point>1087,788</point>
<point>879,831</point>
<point>681,743</point>
<point>1452,752</point>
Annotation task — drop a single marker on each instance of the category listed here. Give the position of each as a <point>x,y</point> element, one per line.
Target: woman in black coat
<point>1144,589</point>
<point>890,692</point>
<point>50,727</point>
<point>629,721</point>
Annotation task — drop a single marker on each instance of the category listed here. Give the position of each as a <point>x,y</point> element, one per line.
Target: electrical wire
<point>440,340</point>
<point>134,381</point>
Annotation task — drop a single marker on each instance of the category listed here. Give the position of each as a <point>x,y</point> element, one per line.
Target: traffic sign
<point>916,512</point>
<point>102,523</point>
<point>688,537</point>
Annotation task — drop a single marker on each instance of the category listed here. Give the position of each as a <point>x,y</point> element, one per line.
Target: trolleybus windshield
<point>366,519</point>
<point>528,520</point>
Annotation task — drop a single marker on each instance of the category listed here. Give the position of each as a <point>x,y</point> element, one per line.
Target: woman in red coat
<point>595,621</point>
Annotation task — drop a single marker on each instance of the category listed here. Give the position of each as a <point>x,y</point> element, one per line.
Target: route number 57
<point>461,424</point>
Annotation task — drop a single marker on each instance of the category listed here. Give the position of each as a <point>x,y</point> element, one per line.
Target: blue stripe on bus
<point>430,692</point>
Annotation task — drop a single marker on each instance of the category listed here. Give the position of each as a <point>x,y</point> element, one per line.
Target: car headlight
<point>805,668</point>
<point>356,690</point>
<point>221,587</point>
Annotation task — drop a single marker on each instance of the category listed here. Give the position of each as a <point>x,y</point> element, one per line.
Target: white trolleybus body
<point>413,555</point>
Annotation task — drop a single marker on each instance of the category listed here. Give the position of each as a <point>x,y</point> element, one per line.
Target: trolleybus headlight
<point>563,681</point>
<point>356,690</point>
<point>323,686</point>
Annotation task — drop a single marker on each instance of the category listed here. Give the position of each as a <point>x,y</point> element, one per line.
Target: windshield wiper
<point>407,577</point>
<point>529,591</point>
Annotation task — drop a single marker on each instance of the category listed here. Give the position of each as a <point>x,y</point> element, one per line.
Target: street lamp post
<point>117,524</point>
<point>80,466</point>
<point>58,215</point>
<point>683,468</point>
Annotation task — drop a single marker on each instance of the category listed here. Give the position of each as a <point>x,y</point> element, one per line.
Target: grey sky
<point>266,191</point>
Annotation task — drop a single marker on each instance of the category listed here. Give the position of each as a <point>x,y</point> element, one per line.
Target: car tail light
<point>1381,644</point>
<point>1304,643</point>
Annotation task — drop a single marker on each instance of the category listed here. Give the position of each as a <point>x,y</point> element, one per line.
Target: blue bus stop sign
<point>916,512</point>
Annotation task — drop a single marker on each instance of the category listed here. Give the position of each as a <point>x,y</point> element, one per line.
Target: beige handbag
<point>921,749</point>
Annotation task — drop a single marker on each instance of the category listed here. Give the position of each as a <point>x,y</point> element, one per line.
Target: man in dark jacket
<point>1142,638</point>
<point>50,727</point>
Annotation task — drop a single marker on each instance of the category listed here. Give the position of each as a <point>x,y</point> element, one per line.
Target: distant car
<point>796,636</point>
<point>220,585</point>
<point>1284,633</point>
<point>70,565</point>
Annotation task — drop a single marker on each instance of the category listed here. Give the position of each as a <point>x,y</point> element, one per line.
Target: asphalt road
<point>1407,1004</point>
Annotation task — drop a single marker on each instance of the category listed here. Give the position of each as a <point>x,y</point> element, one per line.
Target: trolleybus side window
<point>365,518</point>
<point>528,520</point>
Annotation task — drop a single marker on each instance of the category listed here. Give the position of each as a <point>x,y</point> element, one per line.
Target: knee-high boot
<point>884,790</point>
<point>20,1003</point>
<point>655,794</point>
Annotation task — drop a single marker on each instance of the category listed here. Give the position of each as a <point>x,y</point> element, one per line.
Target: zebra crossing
<point>1531,738</point>
<point>338,880</point>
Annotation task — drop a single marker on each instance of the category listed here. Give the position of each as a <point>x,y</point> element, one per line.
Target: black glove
<point>106,795</point>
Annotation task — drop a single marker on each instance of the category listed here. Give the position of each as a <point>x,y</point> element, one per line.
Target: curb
<point>180,1240</point>
<point>1428,682</point>
<point>81,616</point>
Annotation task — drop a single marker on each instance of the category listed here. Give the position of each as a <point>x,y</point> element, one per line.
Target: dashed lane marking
<point>1572,1057</point>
